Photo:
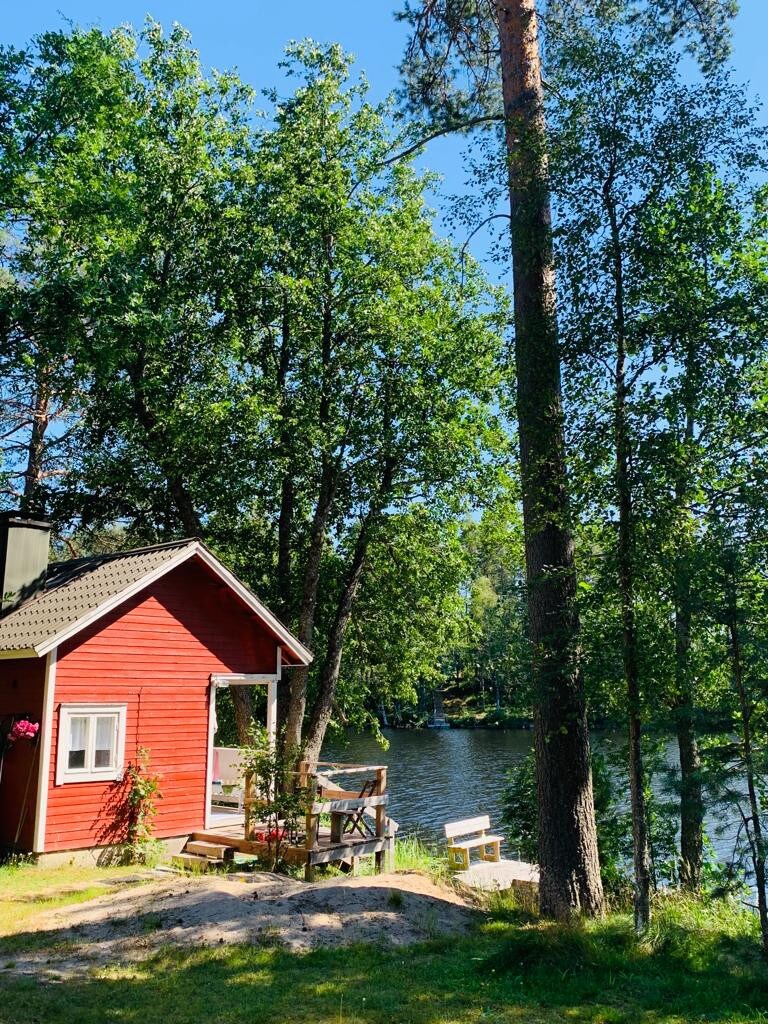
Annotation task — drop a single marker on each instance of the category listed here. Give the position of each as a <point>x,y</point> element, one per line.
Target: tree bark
<point>32,500</point>
<point>322,708</point>
<point>242,706</point>
<point>182,500</point>
<point>568,856</point>
<point>626,578</point>
<point>327,489</point>
<point>286,516</point>
<point>691,797</point>
<point>757,840</point>
<point>148,420</point>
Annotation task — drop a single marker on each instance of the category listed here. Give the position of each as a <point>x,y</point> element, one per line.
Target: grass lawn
<point>26,890</point>
<point>699,963</point>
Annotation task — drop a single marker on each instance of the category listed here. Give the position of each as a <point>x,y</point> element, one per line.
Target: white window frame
<point>65,774</point>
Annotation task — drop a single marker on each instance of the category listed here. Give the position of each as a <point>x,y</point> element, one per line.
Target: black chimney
<point>23,557</point>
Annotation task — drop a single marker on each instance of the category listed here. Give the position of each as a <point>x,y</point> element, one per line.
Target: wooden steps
<point>200,856</point>
<point>213,851</point>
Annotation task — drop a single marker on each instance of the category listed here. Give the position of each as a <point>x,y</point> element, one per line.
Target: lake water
<point>440,775</point>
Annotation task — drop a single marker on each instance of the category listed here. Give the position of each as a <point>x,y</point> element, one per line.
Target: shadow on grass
<point>523,972</point>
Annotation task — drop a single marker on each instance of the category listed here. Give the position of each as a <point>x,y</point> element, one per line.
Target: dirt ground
<point>262,909</point>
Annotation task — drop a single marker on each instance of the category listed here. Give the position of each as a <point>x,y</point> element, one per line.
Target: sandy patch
<point>260,909</point>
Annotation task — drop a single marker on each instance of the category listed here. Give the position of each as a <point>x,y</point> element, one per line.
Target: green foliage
<point>141,795</point>
<point>280,803</point>
<point>614,822</point>
<point>269,344</point>
<point>519,809</point>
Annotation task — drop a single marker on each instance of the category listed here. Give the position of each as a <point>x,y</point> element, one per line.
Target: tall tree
<point>370,344</point>
<point>630,139</point>
<point>444,34</point>
<point>273,334</point>
<point>469,62</point>
<point>56,96</point>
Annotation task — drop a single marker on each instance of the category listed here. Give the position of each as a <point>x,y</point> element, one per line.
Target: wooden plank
<point>381,816</point>
<point>328,806</point>
<point>471,844</point>
<point>338,794</point>
<point>463,828</point>
<point>215,851</point>
<point>292,854</point>
<point>191,862</point>
<point>330,853</point>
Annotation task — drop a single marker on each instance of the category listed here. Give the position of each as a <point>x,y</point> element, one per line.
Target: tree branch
<point>461,126</point>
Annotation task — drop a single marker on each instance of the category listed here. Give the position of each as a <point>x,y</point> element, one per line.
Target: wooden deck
<point>323,844</point>
<point>325,851</point>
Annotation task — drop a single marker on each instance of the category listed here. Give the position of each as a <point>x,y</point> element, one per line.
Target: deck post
<point>381,817</point>
<point>272,697</point>
<point>311,824</point>
<point>248,804</point>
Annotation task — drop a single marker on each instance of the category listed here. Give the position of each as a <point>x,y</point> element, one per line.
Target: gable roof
<point>78,592</point>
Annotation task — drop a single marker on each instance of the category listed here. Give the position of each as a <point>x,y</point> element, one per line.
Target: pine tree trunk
<point>568,857</point>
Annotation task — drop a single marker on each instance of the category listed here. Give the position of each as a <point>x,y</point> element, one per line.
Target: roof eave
<point>20,652</point>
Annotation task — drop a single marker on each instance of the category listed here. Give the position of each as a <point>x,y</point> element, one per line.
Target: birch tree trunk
<point>754,821</point>
<point>626,574</point>
<point>691,798</point>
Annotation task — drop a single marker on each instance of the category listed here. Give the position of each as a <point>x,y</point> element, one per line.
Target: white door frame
<point>268,679</point>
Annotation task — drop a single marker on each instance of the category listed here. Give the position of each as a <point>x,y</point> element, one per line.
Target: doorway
<point>225,789</point>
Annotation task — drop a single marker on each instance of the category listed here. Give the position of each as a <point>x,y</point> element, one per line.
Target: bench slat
<point>463,828</point>
<point>470,844</point>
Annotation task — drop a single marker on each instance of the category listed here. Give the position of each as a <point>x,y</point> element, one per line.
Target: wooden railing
<point>328,794</point>
<point>341,803</point>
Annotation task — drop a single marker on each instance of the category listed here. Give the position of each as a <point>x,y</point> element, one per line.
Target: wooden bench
<point>475,837</point>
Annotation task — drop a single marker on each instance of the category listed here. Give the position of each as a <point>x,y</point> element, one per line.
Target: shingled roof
<point>79,591</point>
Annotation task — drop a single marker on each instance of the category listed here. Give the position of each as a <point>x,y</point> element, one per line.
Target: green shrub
<point>141,796</point>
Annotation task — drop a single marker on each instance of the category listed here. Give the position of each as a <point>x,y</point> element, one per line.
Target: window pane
<point>78,741</point>
<point>104,752</point>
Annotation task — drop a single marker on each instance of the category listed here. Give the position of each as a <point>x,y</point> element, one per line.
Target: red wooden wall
<point>155,654</point>
<point>21,693</point>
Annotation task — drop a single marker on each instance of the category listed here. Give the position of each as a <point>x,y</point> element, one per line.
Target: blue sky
<point>250,35</point>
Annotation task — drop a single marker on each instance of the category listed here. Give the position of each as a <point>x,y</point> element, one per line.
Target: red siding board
<point>154,654</point>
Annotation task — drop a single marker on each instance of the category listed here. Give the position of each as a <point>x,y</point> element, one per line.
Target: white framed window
<point>91,742</point>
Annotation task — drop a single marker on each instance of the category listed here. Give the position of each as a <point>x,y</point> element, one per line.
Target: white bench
<point>471,834</point>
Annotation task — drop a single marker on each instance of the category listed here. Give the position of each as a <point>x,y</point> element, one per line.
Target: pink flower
<point>23,730</point>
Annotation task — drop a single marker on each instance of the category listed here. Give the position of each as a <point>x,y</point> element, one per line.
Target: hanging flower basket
<point>23,729</point>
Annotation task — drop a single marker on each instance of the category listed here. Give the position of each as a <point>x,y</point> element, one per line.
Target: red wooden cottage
<point>108,654</point>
